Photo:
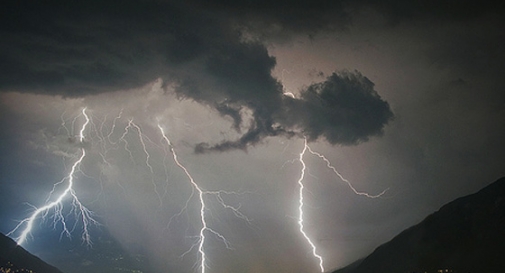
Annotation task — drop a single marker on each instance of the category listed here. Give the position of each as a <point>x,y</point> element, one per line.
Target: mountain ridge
<point>14,258</point>
<point>464,235</point>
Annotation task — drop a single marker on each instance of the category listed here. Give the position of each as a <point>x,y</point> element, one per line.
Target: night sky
<point>403,96</point>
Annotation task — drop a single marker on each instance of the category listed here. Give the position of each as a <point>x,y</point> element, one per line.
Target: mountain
<point>466,235</point>
<point>14,258</point>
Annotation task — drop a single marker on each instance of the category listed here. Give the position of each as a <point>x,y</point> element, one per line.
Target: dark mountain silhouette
<point>465,235</point>
<point>14,258</point>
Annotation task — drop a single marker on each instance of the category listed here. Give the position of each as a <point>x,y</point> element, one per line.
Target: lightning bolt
<point>301,204</point>
<point>328,164</point>
<point>85,215</point>
<point>55,202</point>
<point>203,219</point>
<point>148,156</point>
<point>200,197</point>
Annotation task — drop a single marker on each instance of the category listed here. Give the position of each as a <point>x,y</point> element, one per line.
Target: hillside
<point>465,235</point>
<point>14,258</point>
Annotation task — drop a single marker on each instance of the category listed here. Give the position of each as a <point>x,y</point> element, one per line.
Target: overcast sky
<point>406,96</point>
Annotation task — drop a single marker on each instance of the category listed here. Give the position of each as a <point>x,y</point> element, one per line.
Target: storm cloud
<point>80,48</point>
<point>343,109</point>
<point>208,54</point>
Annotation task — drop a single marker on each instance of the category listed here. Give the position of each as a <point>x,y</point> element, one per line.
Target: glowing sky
<point>404,96</point>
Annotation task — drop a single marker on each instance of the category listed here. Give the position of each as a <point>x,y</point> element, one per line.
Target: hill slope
<point>17,259</point>
<point>465,235</point>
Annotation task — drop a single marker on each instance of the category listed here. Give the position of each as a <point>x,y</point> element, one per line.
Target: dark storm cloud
<point>344,109</point>
<point>399,11</point>
<point>81,48</point>
<point>231,111</point>
<point>78,48</point>
<point>278,20</point>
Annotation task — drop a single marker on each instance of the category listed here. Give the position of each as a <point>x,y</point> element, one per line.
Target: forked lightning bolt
<point>144,148</point>
<point>85,216</point>
<point>78,208</point>
<point>301,200</point>
<point>200,196</point>
<point>55,202</point>
<point>201,193</point>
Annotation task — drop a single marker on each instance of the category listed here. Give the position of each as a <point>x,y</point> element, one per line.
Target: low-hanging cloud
<point>344,109</point>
